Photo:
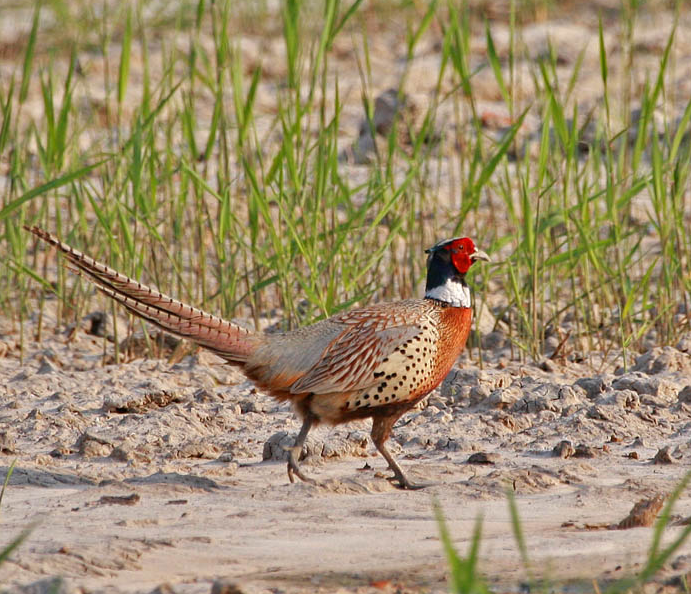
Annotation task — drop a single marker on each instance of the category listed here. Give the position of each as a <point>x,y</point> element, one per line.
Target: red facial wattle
<point>461,252</point>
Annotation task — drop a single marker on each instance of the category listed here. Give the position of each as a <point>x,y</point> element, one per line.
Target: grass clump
<point>465,576</point>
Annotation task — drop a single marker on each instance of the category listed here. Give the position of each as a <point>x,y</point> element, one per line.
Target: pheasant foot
<point>296,450</point>
<point>398,474</point>
<point>294,471</point>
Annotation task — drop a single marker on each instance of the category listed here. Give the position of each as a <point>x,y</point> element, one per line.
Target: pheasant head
<point>447,264</point>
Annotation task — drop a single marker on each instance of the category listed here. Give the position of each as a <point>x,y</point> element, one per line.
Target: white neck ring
<point>452,292</point>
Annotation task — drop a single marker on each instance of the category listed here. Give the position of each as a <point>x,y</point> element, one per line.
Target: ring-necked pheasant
<point>377,361</point>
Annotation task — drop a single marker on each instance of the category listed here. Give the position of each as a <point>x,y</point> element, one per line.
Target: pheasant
<point>374,362</point>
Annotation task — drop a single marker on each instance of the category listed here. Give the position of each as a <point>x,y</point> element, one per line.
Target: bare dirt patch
<point>186,482</point>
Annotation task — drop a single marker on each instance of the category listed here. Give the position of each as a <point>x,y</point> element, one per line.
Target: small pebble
<point>663,456</point>
<point>483,458</point>
<point>564,449</point>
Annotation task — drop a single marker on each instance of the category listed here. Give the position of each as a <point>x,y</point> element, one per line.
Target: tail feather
<point>226,339</point>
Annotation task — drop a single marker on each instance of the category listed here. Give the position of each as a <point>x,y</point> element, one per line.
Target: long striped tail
<point>216,334</point>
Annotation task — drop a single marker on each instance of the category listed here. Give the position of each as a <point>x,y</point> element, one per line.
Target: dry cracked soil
<point>153,474</point>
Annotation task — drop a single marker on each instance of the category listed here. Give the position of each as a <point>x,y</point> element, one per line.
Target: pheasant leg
<point>381,428</point>
<point>296,450</point>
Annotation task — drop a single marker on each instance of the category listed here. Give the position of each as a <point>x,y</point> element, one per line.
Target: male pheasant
<point>377,361</point>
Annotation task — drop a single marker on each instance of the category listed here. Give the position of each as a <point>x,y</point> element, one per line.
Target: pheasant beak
<point>480,255</point>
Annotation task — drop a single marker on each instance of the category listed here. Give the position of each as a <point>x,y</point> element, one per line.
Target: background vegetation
<point>153,137</point>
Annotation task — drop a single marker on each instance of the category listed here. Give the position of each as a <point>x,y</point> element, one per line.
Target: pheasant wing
<point>351,360</point>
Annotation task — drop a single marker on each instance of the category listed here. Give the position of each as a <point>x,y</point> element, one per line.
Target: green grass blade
<point>518,532</point>
<point>679,135</point>
<point>425,22</point>
<point>464,575</point>
<point>124,70</point>
<point>603,64</point>
<point>29,55</point>
<point>63,116</point>
<point>490,166</point>
<point>10,548</point>
<point>47,187</point>
<point>6,116</point>
<point>345,18</point>
<point>496,65</point>
<point>6,482</point>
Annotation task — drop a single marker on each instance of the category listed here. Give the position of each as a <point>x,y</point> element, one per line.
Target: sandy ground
<point>151,473</point>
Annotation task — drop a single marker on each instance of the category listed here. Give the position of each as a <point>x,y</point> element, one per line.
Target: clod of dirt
<point>92,446</point>
<point>523,480</point>
<point>204,395</point>
<point>47,366</point>
<point>149,399</point>
<point>678,583</point>
<point>600,413</point>
<point>502,398</point>
<point>35,414</point>
<point>60,452</point>
<point>451,444</point>
<point>538,396</point>
<point>494,340</point>
<point>278,446</point>
<point>226,457</point>
<point>197,449</point>
<point>483,458</point>
<point>661,359</point>
<point>642,384</point>
<point>512,422</point>
<point>548,365</point>
<point>7,442</point>
<point>564,449</point>
<point>132,499</point>
<point>386,106</point>
<point>98,323</point>
<point>684,344</point>
<point>123,452</point>
<point>593,386</point>
<point>223,586</point>
<point>252,405</point>
<point>175,478</point>
<point>663,456</point>
<point>461,384</point>
<point>643,513</point>
<point>353,444</point>
<point>585,451</point>
<point>685,395</point>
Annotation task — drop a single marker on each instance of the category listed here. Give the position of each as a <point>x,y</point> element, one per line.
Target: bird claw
<point>294,471</point>
<point>404,484</point>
